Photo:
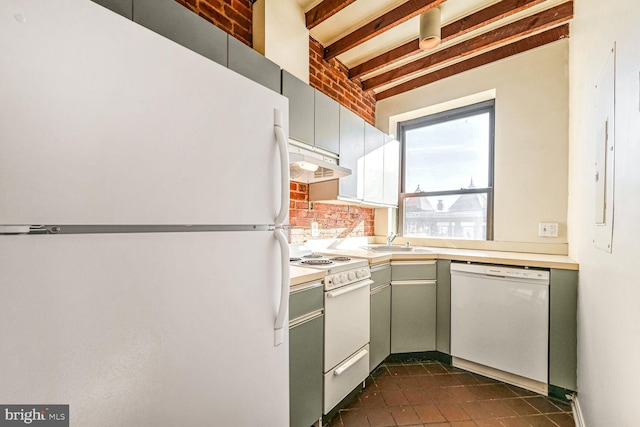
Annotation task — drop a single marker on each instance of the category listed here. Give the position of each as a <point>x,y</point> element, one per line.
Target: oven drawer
<point>346,322</point>
<point>341,380</point>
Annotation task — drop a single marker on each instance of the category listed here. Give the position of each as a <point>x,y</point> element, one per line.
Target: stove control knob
<point>343,278</point>
<point>352,275</point>
<point>360,274</point>
<point>335,280</point>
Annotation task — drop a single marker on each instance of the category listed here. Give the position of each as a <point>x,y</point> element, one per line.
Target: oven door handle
<point>349,363</point>
<point>349,288</point>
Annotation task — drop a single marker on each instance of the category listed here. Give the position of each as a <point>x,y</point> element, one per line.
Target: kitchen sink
<point>385,248</point>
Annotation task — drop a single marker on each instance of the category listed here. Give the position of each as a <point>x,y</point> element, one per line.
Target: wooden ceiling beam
<point>535,23</point>
<point>324,10</point>
<point>462,26</point>
<point>391,19</point>
<point>515,48</point>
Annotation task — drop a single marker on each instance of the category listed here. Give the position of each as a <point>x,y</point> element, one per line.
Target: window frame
<point>441,117</point>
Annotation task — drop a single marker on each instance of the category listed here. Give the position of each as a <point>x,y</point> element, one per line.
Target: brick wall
<point>233,16</point>
<point>332,78</point>
<point>333,220</point>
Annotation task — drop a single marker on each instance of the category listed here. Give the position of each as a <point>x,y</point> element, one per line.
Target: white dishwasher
<point>500,319</point>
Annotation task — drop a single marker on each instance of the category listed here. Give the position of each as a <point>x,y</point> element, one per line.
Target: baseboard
<point>577,412</point>
<point>419,356</point>
<point>526,383</point>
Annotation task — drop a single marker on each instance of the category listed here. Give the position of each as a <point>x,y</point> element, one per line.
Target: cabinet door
<point>351,153</point>
<point>249,63</point>
<point>327,123</point>
<point>373,164</point>
<point>177,23</point>
<point>301,102</point>
<point>413,316</point>
<point>391,171</point>
<point>380,334</point>
<point>121,7</point>
<point>305,372</point>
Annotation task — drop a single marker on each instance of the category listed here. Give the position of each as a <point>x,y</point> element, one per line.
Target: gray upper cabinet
<point>351,154</point>
<point>373,185</point>
<point>327,123</point>
<point>391,171</point>
<point>121,7</point>
<point>301,108</point>
<point>249,63</point>
<point>177,23</point>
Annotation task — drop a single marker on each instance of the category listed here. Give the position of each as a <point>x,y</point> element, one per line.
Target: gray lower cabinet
<point>121,7</point>
<point>306,338</point>
<point>443,307</point>
<point>249,63</point>
<point>413,306</point>
<point>380,320</point>
<point>563,298</point>
<point>179,24</point>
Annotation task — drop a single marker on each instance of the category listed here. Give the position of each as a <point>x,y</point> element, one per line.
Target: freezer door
<point>170,329</point>
<point>105,122</point>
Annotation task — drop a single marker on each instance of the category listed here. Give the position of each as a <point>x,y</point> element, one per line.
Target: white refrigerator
<point>143,188</point>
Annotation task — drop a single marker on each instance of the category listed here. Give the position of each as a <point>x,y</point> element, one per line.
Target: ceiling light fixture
<point>430,29</point>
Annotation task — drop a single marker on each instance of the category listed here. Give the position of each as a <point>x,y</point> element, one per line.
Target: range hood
<point>309,164</point>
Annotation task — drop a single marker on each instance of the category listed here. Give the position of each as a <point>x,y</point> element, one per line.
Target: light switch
<point>548,229</point>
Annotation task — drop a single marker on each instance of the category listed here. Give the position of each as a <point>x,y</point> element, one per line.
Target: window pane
<point>448,155</point>
<point>458,217</point>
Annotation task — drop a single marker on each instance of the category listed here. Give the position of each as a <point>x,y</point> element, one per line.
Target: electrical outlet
<point>548,229</point>
<point>315,232</point>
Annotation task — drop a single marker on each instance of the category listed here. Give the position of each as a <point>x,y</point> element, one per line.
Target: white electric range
<point>346,321</point>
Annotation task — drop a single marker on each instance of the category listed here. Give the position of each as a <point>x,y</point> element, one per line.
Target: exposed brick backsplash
<point>332,78</point>
<point>233,16</point>
<point>333,220</point>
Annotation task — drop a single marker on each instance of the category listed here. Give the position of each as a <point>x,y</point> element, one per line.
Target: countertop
<point>300,275</point>
<point>491,257</point>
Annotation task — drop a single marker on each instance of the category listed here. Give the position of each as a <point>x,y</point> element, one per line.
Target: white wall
<point>531,145</point>
<point>280,34</point>
<point>609,290</point>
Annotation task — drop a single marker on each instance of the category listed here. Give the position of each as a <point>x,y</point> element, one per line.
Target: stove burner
<point>317,262</point>
<point>340,258</point>
<point>312,256</point>
<point>294,259</point>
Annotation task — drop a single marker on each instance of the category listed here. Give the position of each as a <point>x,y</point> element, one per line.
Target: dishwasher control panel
<point>501,271</point>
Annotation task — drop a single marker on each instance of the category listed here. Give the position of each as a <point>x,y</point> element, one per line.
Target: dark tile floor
<point>437,395</point>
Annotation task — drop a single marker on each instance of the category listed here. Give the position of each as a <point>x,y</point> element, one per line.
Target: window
<point>447,174</point>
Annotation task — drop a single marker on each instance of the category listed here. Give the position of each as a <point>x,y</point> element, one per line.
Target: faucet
<point>391,237</point>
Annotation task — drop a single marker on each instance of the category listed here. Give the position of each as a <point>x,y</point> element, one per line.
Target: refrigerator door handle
<point>283,146</point>
<point>281,317</point>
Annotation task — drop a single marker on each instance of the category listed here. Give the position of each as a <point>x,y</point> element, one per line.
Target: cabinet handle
<point>413,282</point>
<point>380,289</point>
<point>306,318</point>
<point>349,363</point>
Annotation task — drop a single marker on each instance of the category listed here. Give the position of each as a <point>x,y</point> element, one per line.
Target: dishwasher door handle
<point>349,288</point>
